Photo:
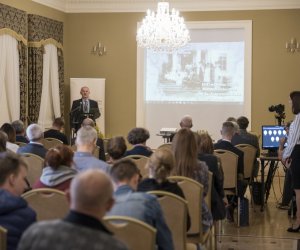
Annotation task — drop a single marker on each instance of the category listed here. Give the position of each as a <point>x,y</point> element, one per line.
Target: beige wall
<point>274,74</point>
<point>274,71</point>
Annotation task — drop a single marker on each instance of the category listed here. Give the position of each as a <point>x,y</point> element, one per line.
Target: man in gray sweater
<point>91,196</point>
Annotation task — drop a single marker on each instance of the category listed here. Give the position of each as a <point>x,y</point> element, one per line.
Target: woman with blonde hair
<point>160,165</point>
<point>185,150</point>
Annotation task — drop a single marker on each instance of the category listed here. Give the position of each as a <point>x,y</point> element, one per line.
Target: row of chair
<point>53,204</point>
<point>47,142</point>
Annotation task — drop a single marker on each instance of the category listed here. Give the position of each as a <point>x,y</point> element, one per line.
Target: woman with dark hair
<point>290,156</point>
<point>11,137</point>
<point>3,140</point>
<point>160,165</point>
<point>138,137</point>
<point>116,148</point>
<point>58,172</point>
<point>187,164</point>
<point>205,153</point>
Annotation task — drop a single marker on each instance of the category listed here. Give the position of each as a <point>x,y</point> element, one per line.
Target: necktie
<point>85,106</point>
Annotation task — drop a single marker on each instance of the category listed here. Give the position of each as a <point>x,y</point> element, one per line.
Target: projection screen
<point>209,79</point>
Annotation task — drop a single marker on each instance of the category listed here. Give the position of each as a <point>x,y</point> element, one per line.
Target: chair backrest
<point>48,203</point>
<point>51,142</point>
<point>141,162</point>
<point>175,213</point>
<point>229,163</point>
<point>21,144</point>
<point>35,167</point>
<point>95,152</point>
<point>208,195</point>
<point>166,145</point>
<point>3,236</point>
<point>249,158</point>
<point>134,233</point>
<point>193,192</point>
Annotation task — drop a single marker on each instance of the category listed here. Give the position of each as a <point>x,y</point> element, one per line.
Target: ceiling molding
<point>98,6</point>
<point>55,4</point>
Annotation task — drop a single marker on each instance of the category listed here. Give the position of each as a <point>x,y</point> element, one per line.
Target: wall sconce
<point>99,49</point>
<point>292,46</point>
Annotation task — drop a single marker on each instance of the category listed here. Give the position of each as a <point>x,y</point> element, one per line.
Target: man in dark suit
<point>35,134</point>
<point>227,133</point>
<point>83,108</point>
<point>20,131</point>
<point>55,131</point>
<point>244,137</point>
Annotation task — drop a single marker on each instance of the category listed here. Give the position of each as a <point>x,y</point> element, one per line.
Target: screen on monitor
<point>271,136</point>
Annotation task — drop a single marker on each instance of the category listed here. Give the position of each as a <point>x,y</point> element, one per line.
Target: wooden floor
<point>267,229</point>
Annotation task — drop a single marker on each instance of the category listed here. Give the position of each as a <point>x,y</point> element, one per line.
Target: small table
<point>167,137</point>
<point>265,161</point>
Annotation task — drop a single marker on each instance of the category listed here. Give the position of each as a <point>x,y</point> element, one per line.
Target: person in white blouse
<point>290,156</point>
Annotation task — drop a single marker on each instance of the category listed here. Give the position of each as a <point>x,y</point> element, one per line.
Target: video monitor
<point>271,135</point>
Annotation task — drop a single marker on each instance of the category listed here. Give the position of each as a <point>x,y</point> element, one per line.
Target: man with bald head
<point>83,108</point>
<point>91,196</point>
<point>186,122</point>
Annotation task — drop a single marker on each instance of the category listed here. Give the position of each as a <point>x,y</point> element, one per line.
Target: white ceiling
<point>88,6</point>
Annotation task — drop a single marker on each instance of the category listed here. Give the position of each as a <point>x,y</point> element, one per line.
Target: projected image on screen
<point>200,72</point>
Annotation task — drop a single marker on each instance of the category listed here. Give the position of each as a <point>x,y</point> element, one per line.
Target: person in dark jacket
<point>15,215</point>
<point>35,134</point>
<point>20,131</point>
<point>205,153</point>
<point>138,137</point>
<point>56,131</point>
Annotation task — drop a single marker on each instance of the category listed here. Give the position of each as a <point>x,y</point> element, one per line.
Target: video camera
<point>279,109</point>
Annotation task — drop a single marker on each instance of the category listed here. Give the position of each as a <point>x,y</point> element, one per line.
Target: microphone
<point>80,105</point>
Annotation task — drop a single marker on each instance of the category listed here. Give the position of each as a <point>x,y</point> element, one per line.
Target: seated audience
<point>3,140</point>
<point>99,142</point>
<point>187,164</point>
<point>138,137</point>
<point>139,205</point>
<point>35,135</point>
<point>11,137</point>
<point>116,148</point>
<point>15,214</point>
<point>227,133</point>
<point>83,157</point>
<point>205,154</point>
<point>56,131</point>
<point>90,198</point>
<point>58,172</point>
<point>186,122</point>
<point>20,131</point>
<point>160,165</point>
<point>244,137</point>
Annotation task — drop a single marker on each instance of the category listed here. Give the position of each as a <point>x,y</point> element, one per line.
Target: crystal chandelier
<point>163,31</point>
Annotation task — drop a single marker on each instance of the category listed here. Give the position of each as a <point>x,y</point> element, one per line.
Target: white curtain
<point>50,102</point>
<point>9,79</point>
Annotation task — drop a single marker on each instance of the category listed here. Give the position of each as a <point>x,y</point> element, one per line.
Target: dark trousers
<point>287,188</point>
